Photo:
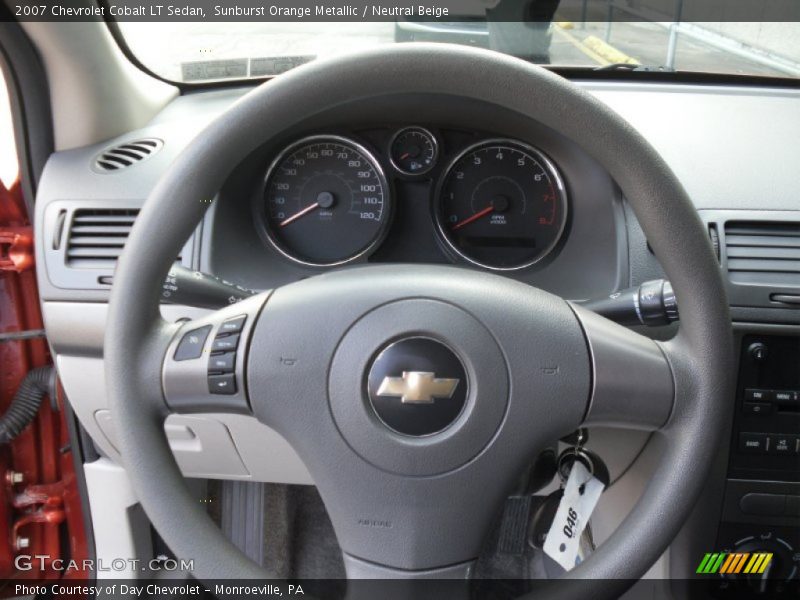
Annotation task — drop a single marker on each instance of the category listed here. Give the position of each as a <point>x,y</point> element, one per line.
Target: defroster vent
<point>126,155</point>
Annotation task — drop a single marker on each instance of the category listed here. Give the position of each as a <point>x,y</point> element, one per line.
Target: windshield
<point>212,51</point>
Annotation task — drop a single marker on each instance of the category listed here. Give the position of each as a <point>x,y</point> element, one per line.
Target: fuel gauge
<point>413,151</point>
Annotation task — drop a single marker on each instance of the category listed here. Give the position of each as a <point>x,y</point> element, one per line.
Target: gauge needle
<point>297,215</point>
<point>474,217</point>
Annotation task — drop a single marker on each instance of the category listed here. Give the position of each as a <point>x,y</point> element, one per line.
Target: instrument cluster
<point>496,203</point>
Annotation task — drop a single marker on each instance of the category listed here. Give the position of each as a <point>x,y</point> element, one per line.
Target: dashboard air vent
<point>125,155</point>
<point>763,252</point>
<point>96,237</point>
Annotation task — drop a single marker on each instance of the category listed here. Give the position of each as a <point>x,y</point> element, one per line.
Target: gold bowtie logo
<point>417,387</point>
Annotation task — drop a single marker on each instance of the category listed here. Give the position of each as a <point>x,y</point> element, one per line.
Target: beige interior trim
<point>96,93</point>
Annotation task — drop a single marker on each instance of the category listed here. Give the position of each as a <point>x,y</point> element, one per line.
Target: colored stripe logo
<point>732,563</point>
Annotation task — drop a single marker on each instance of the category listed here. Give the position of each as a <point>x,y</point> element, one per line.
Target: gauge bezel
<point>388,202</point>
<point>552,172</point>
<point>426,132</point>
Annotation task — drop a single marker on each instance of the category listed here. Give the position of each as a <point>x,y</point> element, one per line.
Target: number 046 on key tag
<point>577,504</point>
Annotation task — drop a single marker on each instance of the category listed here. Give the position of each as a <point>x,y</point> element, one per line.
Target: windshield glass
<point>200,52</point>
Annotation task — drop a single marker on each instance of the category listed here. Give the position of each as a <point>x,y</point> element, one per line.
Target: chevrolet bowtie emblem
<point>417,387</point>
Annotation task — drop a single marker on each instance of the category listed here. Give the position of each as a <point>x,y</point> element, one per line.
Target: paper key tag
<point>563,539</point>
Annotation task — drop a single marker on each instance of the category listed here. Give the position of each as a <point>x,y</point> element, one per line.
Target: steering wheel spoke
<point>632,381</point>
<point>204,366</point>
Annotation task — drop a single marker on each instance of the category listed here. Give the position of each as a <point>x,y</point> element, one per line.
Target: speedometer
<point>326,201</point>
<point>501,205</point>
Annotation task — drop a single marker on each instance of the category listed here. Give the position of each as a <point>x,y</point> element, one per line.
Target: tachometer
<point>501,205</point>
<point>327,201</point>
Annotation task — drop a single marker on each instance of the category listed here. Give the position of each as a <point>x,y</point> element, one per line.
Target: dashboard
<point>450,182</point>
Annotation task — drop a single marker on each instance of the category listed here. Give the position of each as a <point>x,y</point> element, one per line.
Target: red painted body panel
<point>44,506</point>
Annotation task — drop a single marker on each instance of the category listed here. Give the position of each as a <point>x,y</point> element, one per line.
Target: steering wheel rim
<point>137,338</point>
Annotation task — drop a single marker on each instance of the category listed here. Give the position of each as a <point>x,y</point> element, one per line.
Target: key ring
<point>578,454</point>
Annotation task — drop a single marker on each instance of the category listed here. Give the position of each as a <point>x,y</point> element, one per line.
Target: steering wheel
<point>529,366</point>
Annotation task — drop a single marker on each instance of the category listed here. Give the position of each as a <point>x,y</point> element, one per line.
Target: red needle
<point>297,215</point>
<point>405,156</point>
<point>474,217</point>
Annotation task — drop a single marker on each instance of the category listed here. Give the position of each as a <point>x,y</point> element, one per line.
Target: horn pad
<point>424,423</point>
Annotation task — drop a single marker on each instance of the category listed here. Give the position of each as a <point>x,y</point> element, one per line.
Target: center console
<point>761,508</point>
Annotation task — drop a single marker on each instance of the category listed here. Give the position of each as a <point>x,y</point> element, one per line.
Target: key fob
<point>542,519</point>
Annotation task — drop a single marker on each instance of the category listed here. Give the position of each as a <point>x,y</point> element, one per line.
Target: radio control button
<point>757,395</point>
<point>783,444</point>
<point>753,443</point>
<point>768,505</point>
<point>232,325</point>
<point>785,396</point>
<point>757,408</point>
<point>758,351</point>
<point>222,363</point>
<point>191,344</point>
<point>222,384</point>
<point>225,344</point>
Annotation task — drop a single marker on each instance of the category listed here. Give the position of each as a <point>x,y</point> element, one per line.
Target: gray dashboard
<point>733,148</point>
